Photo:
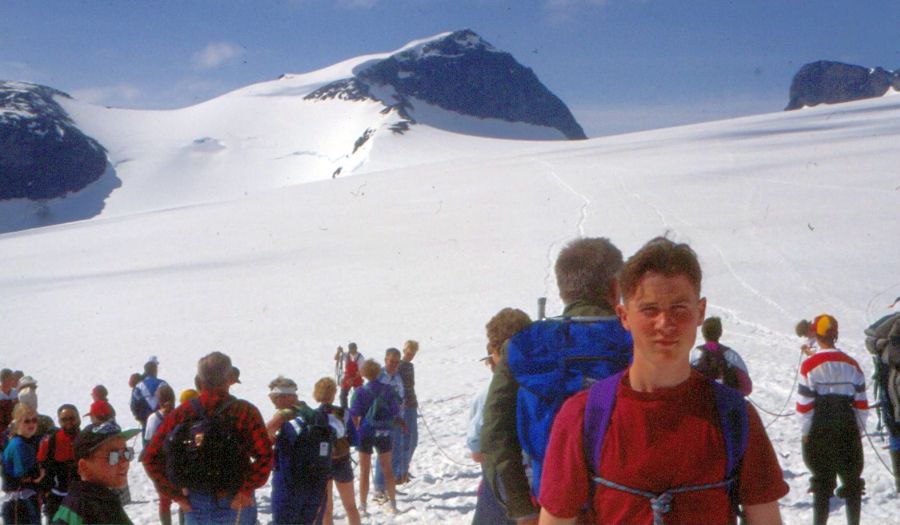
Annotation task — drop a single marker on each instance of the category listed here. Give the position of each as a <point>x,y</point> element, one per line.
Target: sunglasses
<point>118,455</point>
<point>29,420</point>
<point>68,418</point>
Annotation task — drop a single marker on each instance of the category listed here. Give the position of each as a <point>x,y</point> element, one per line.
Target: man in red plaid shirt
<point>220,506</point>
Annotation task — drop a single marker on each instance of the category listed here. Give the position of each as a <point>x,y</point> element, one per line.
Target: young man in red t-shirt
<point>664,430</point>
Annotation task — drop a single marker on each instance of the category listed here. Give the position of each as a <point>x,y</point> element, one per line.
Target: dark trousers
<point>21,511</point>
<point>831,453</point>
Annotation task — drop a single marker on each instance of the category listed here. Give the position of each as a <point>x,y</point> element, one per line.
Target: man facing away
<point>229,498</point>
<point>831,400</point>
<point>663,433</point>
<point>586,276</point>
<point>143,396</point>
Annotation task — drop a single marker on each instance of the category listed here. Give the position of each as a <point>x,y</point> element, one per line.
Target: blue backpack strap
<point>735,425</point>
<point>597,413</point>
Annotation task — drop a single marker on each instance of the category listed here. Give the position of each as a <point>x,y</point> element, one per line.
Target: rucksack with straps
<point>378,417</point>
<point>554,359</point>
<point>883,342</point>
<point>305,446</point>
<point>206,453</point>
<point>733,420</point>
<point>713,364</point>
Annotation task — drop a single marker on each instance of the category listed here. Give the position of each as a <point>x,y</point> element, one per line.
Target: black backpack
<point>306,446</point>
<point>206,454</point>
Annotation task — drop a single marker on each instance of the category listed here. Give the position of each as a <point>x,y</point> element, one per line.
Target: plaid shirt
<point>249,423</point>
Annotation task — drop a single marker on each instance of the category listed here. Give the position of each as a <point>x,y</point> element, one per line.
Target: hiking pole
<point>542,308</point>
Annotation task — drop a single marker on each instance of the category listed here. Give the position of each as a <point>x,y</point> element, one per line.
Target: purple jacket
<point>363,400</point>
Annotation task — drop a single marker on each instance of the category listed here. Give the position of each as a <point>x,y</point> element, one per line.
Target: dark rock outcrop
<point>462,73</point>
<point>42,154</point>
<point>825,82</point>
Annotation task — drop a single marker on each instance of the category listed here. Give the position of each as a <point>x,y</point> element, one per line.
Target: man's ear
<point>701,304</point>
<point>82,469</point>
<point>623,316</point>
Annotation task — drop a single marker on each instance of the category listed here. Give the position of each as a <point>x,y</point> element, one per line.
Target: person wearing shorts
<point>375,410</point>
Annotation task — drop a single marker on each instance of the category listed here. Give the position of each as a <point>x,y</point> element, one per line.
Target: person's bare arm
<point>762,514</point>
<point>550,519</point>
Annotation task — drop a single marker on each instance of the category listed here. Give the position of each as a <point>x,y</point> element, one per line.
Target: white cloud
<point>122,94</point>
<point>215,54</point>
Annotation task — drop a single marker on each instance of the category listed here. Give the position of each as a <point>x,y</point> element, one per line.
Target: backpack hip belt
<point>661,503</point>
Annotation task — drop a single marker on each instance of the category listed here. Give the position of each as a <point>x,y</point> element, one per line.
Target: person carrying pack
<point>660,443</point>
<point>303,450</point>
<point>304,445</point>
<point>215,448</point>
<point>143,395</point>
<point>883,342</point>
<point>56,455</point>
<point>375,410</point>
<point>719,362</point>
<point>548,362</point>
<point>341,473</point>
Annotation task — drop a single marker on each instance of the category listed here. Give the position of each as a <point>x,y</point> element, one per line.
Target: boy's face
<point>96,467</point>
<point>662,315</point>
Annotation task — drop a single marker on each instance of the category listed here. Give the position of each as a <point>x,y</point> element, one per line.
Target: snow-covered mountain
<point>793,214</point>
<point>827,82</point>
<point>353,117</point>
<point>222,229</point>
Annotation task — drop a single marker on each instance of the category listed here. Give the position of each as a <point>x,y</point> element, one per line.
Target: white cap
<point>283,389</point>
<point>153,359</point>
<point>26,381</point>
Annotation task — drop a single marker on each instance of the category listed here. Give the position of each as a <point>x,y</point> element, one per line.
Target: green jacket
<point>499,438</point>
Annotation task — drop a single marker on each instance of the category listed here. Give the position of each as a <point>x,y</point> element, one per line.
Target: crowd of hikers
<point>210,452</point>
<point>607,414</point>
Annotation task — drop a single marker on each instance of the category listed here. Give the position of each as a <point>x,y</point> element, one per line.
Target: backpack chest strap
<point>661,503</point>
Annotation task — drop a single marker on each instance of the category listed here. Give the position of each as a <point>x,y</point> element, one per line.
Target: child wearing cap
<point>103,458</point>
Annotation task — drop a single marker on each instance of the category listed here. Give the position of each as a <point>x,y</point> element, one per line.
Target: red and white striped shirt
<point>831,371</point>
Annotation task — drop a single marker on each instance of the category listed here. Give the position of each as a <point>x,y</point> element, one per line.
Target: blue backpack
<point>732,410</point>
<point>554,359</point>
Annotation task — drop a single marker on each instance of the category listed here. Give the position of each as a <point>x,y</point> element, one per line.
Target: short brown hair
<point>586,270</point>
<point>505,324</point>
<point>325,390</point>
<point>214,370</point>
<point>711,329</point>
<point>370,369</point>
<point>165,394</point>
<point>662,256</point>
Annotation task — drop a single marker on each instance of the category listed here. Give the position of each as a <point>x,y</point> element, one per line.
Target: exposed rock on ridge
<point>462,73</point>
<point>42,154</point>
<point>834,82</point>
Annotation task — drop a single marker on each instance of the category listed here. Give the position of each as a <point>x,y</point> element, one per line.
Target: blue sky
<point>620,65</point>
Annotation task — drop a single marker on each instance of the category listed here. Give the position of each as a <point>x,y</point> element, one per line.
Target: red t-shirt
<point>656,441</point>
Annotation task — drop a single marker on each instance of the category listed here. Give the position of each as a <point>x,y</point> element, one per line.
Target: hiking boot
<point>362,510</point>
<point>392,508</point>
<point>380,498</point>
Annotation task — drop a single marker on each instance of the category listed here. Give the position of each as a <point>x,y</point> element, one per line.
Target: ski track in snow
<point>553,248</point>
<point>638,197</point>
<point>747,286</point>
